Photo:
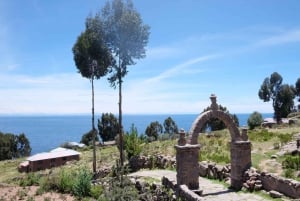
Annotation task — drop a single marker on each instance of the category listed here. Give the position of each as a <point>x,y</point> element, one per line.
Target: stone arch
<point>204,117</point>
<point>187,152</point>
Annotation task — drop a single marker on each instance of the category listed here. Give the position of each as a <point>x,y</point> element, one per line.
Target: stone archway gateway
<point>187,151</point>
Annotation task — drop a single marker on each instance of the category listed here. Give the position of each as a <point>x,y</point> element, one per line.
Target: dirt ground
<point>8,193</point>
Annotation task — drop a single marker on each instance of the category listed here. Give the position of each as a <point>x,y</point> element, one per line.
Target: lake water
<point>48,132</point>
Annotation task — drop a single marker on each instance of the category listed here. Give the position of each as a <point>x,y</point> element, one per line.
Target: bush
<point>65,181</point>
<point>30,180</point>
<point>285,138</point>
<point>120,187</point>
<point>82,183</point>
<point>291,162</point>
<point>132,143</point>
<point>96,191</point>
<point>254,120</point>
<point>260,136</point>
<point>87,138</point>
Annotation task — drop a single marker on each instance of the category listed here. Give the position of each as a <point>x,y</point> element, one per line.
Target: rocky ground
<point>8,193</point>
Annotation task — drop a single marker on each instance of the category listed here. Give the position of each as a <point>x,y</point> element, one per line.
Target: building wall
<point>49,163</point>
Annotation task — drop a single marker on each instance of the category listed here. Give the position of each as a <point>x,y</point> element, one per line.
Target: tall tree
<point>281,95</point>
<point>127,37</point>
<point>108,127</point>
<point>92,59</point>
<point>285,100</point>
<point>170,126</point>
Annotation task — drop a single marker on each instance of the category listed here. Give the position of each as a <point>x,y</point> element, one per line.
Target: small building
<point>270,122</point>
<point>54,158</point>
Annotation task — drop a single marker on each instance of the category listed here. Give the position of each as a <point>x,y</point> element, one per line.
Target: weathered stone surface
<point>240,148</point>
<point>157,161</point>
<point>187,165</point>
<point>288,187</point>
<point>186,194</point>
<point>275,194</point>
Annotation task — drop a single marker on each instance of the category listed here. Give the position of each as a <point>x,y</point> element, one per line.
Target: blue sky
<point>195,48</point>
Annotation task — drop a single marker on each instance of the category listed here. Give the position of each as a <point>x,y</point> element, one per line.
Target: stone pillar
<point>240,161</point>
<point>187,165</point>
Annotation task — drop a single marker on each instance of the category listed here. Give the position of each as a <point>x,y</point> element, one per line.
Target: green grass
<point>9,170</point>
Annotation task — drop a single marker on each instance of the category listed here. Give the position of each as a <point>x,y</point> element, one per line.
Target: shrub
<point>285,138</point>
<point>289,173</point>
<point>120,187</point>
<point>254,120</point>
<point>96,191</point>
<point>291,162</point>
<point>132,142</point>
<point>30,180</point>
<point>82,183</point>
<point>65,181</point>
<point>260,136</point>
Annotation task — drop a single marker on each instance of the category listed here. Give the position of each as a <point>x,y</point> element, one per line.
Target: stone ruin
<point>187,151</point>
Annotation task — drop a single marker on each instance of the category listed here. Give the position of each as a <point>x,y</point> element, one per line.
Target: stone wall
<point>286,186</point>
<point>253,180</point>
<point>148,162</point>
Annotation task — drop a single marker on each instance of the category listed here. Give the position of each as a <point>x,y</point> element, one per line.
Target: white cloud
<point>178,69</point>
<point>290,36</point>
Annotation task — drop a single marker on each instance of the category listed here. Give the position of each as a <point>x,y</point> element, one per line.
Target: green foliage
<point>87,138</point>
<point>91,55</point>
<point>30,179</point>
<point>154,130</point>
<point>75,181</point>
<point>260,135</point>
<point>82,183</point>
<point>108,127</point>
<point>254,120</point>
<point>282,95</point>
<point>127,37</point>
<point>215,124</point>
<point>289,173</point>
<point>285,138</point>
<point>65,181</point>
<point>13,146</point>
<point>120,187</point>
<point>170,126</point>
<point>215,148</point>
<point>291,162</point>
<point>132,142</point>
<point>96,191</point>
<point>126,34</point>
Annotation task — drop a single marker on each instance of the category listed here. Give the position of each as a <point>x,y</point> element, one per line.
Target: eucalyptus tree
<point>108,126</point>
<point>170,126</point>
<point>92,59</point>
<point>127,37</point>
<point>282,95</point>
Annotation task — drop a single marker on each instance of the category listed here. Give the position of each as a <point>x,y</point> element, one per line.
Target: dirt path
<point>211,191</point>
<point>30,193</point>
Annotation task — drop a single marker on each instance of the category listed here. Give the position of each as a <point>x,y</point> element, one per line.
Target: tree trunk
<point>93,127</point>
<point>120,121</point>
